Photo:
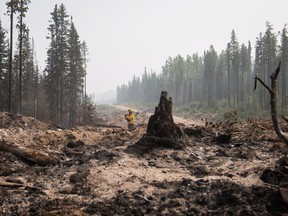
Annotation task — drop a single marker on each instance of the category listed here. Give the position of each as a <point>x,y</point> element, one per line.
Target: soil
<point>222,168</point>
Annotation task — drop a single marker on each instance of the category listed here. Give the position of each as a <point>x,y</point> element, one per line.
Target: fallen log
<point>29,156</point>
<point>24,186</point>
<point>12,184</point>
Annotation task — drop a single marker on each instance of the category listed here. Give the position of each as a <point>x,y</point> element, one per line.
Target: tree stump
<point>161,132</point>
<point>161,123</point>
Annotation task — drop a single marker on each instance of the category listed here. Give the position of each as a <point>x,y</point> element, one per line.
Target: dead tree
<point>273,102</point>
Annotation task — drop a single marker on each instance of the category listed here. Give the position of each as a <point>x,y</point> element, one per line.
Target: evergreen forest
<point>58,93</point>
<point>217,81</point>
<point>210,81</point>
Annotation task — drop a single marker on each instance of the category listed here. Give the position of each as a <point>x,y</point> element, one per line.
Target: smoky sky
<point>125,36</point>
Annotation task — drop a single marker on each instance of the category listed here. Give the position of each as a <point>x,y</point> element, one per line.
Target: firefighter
<point>130,119</point>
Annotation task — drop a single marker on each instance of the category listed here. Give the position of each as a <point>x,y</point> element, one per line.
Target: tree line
<point>217,81</point>
<point>58,93</point>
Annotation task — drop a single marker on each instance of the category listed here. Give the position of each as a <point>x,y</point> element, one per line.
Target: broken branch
<point>263,83</point>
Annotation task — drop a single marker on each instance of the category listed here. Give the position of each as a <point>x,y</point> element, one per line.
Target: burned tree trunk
<point>161,130</point>
<point>273,102</point>
<point>161,123</point>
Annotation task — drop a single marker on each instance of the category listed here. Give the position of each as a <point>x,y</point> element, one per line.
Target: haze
<point>125,36</point>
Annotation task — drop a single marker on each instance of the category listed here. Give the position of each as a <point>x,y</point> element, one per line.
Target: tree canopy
<point>216,81</point>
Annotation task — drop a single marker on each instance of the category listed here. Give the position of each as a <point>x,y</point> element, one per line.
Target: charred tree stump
<point>161,123</point>
<point>161,130</point>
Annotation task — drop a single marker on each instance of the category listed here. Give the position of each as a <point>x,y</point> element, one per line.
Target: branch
<point>276,72</point>
<point>140,196</point>
<point>262,82</point>
<point>12,184</point>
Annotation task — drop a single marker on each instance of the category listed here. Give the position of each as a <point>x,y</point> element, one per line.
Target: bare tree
<point>273,102</point>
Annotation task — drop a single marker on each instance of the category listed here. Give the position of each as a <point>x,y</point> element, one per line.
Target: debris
<point>29,155</point>
<point>79,177</point>
<point>66,189</point>
<point>104,170</point>
<point>284,194</point>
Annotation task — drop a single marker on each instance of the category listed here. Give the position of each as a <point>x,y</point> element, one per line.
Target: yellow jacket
<point>130,118</point>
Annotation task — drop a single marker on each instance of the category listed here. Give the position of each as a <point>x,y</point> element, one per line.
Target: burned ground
<point>222,168</point>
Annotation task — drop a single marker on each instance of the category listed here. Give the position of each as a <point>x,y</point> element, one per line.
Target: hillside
<point>102,170</point>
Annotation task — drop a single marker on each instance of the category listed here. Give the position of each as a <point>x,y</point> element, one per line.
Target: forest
<point>58,93</point>
<point>198,82</point>
<point>59,155</point>
<point>218,81</point>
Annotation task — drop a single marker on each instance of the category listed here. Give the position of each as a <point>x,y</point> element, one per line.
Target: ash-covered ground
<point>103,170</point>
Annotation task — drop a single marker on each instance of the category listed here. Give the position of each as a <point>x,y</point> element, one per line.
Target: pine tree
<point>28,78</point>
<point>210,63</point>
<point>57,65</point>
<point>228,65</point>
<point>179,74</point>
<point>235,64</point>
<point>21,9</point>
<point>220,79</point>
<point>265,60</point>
<point>76,74</point>
<point>259,66</point>
<point>85,53</point>
<point>4,69</point>
<point>88,113</point>
<point>11,5</point>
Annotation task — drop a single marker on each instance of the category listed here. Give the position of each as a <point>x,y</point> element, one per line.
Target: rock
<point>79,177</point>
<point>284,194</point>
<point>18,180</point>
<point>49,131</point>
<point>74,144</point>
<point>85,135</point>
<point>20,130</point>
<point>282,165</point>
<point>66,189</point>
<point>271,177</point>
<point>3,133</point>
<point>71,136</point>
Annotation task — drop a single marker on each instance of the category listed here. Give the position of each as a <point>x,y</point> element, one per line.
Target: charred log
<point>29,156</point>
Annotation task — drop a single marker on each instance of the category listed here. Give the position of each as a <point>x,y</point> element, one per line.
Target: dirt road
<point>176,119</point>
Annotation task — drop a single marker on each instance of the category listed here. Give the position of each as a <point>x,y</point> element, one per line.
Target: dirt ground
<point>103,170</point>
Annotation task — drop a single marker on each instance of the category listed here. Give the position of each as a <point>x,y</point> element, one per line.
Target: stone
<point>66,189</point>
<point>284,194</point>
